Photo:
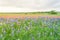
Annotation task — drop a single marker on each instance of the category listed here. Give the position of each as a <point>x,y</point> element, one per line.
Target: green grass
<point>30,29</point>
<point>44,13</point>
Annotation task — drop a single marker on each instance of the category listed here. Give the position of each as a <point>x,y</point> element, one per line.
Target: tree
<point>53,12</point>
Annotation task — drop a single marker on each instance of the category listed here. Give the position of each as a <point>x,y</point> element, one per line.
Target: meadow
<point>24,27</point>
<point>30,29</point>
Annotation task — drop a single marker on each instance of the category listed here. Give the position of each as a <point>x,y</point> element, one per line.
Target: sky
<point>29,5</point>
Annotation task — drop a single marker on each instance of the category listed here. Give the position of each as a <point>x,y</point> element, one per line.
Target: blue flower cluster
<point>30,29</point>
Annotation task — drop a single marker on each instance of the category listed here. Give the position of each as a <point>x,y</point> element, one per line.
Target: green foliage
<point>53,12</point>
<point>31,29</point>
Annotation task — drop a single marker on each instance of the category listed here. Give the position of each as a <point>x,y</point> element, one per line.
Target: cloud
<point>14,9</point>
<point>31,4</point>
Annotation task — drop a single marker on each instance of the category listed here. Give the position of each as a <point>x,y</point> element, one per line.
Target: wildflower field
<point>29,28</point>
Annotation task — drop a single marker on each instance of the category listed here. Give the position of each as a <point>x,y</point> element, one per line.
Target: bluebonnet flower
<point>11,20</point>
<point>26,18</point>
<point>33,38</point>
<point>1,19</point>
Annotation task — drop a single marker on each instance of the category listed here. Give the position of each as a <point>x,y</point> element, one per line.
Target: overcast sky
<point>29,5</point>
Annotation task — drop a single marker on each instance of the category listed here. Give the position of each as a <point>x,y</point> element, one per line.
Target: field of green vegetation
<point>30,29</point>
<point>52,12</point>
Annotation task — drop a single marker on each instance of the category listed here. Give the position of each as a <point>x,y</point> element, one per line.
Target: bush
<point>53,12</point>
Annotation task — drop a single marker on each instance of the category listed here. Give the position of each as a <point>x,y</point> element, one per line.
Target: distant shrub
<point>53,12</point>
